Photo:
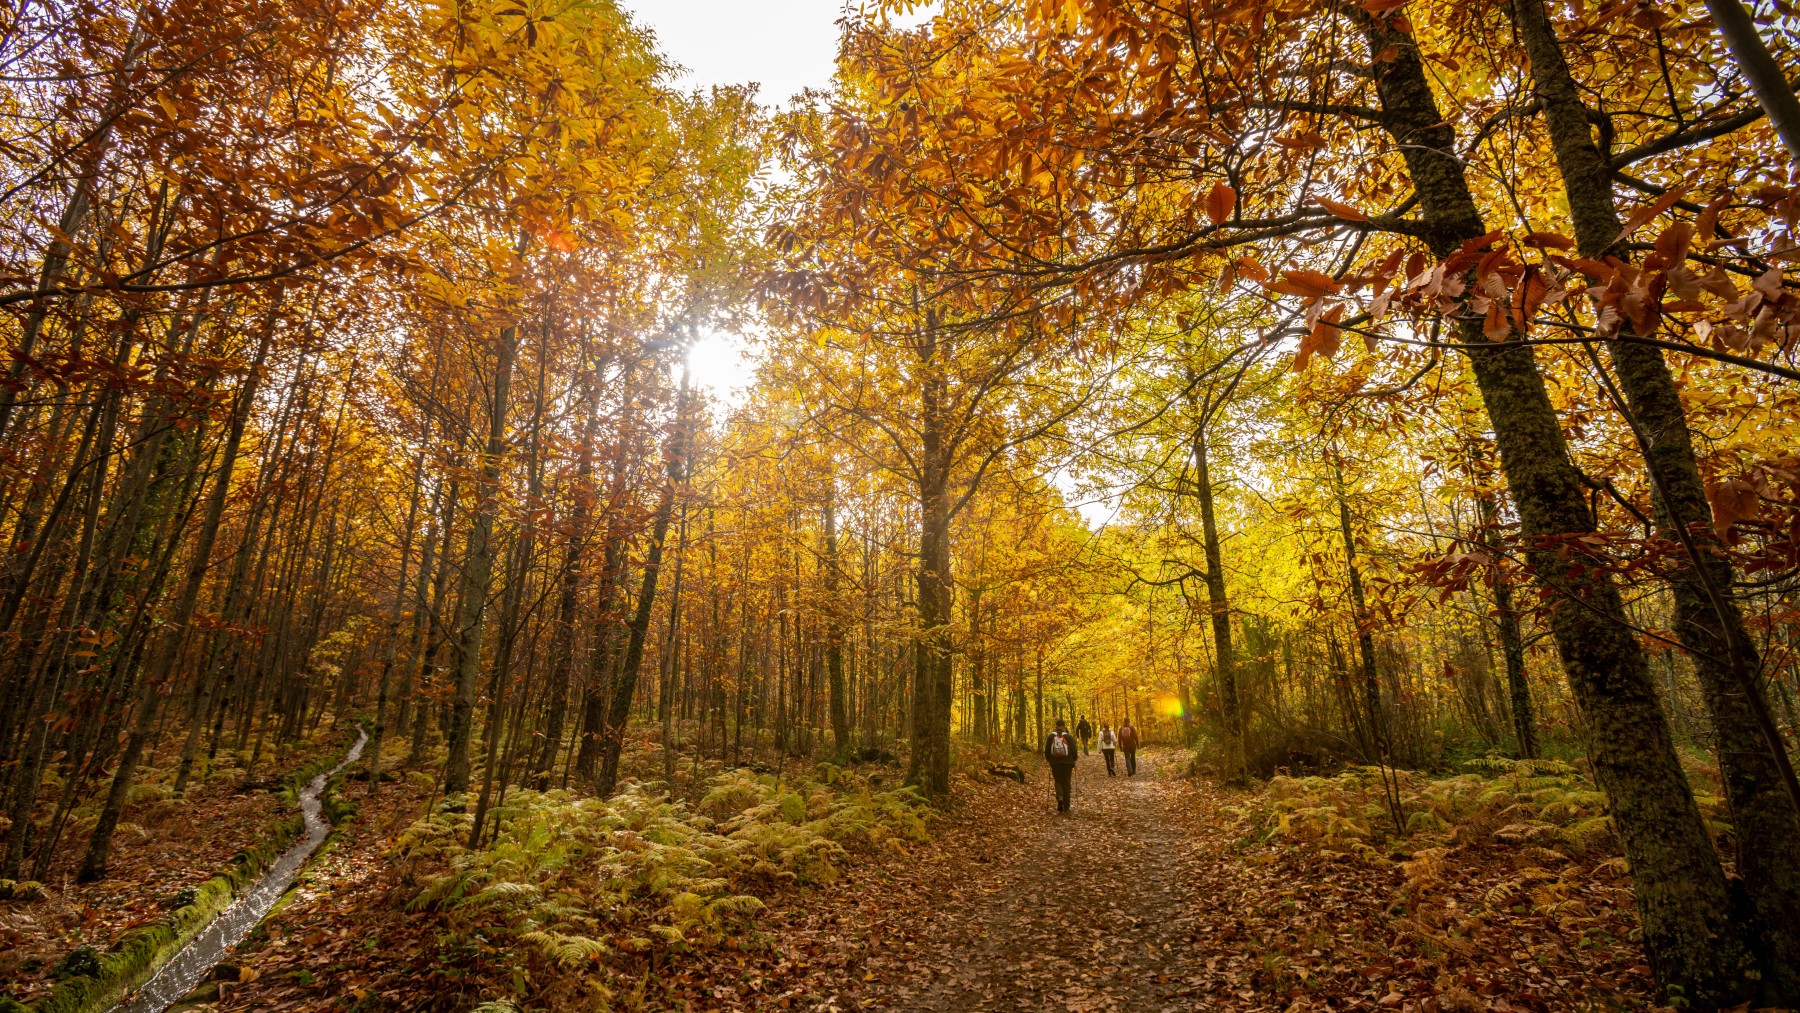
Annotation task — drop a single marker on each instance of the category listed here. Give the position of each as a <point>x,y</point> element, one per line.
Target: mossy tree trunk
<point>1752,756</point>
<point>1695,949</point>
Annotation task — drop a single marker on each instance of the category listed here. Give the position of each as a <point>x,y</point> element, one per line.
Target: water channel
<point>196,960</point>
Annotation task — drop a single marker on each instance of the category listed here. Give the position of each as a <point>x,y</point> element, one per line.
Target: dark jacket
<point>1084,730</point>
<point>1128,738</point>
<point>1061,761</point>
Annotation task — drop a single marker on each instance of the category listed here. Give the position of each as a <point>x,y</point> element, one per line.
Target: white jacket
<point>1108,739</point>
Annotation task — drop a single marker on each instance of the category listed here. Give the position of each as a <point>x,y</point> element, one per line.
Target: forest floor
<point>1152,896</point>
<point>1157,893</point>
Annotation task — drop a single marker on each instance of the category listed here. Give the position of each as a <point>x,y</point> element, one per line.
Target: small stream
<point>188,968</point>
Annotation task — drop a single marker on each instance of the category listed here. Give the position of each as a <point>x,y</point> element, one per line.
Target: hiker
<point>1128,743</point>
<point>1059,752</point>
<point>1084,732</point>
<point>1108,743</point>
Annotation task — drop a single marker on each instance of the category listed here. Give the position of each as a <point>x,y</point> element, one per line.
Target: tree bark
<point>1753,759</point>
<point>834,631</point>
<point>478,573</point>
<point>929,765</point>
<point>1683,903</point>
<point>1218,608</point>
<point>1773,90</point>
<point>618,714</point>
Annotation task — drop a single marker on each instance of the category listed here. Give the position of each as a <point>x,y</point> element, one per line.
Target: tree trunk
<point>929,764</point>
<point>834,631</point>
<point>1773,90</point>
<point>618,714</point>
<point>378,738</point>
<point>1683,903</point>
<point>1378,743</point>
<point>478,573</point>
<point>1218,607</point>
<point>1753,758</point>
<point>1512,643</point>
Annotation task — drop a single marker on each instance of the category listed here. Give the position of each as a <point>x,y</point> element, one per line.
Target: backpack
<point>1059,745</point>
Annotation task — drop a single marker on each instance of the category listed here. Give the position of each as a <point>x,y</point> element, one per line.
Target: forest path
<point>1089,912</point>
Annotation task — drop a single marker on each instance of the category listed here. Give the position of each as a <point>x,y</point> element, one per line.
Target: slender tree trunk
<point>1512,643</point>
<point>378,737</point>
<point>1218,608</point>
<point>1773,90</point>
<point>834,632</point>
<point>933,685</point>
<point>612,734</point>
<point>478,573</point>
<point>671,657</point>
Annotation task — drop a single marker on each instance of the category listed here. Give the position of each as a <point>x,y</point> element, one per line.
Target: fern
<point>573,879</point>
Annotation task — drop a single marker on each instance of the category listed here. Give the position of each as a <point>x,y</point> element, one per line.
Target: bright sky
<point>783,45</point>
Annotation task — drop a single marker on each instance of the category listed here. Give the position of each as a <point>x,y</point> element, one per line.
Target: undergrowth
<point>1485,859</point>
<point>1546,804</point>
<point>1544,820</point>
<point>573,881</point>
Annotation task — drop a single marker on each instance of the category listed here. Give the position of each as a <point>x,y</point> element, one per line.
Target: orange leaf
<point>1555,240</point>
<point>1644,214</point>
<point>1527,297</point>
<point>1708,222</point>
<point>1496,327</point>
<point>1325,338</point>
<point>1341,210</point>
<point>1303,282</point>
<point>1220,202</point>
<point>1733,500</point>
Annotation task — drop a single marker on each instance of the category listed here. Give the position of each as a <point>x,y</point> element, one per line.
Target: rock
<point>81,962</point>
<point>1007,770</point>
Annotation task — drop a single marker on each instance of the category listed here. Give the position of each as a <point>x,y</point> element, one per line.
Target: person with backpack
<point>1084,732</point>
<point>1060,753</point>
<point>1129,743</point>
<point>1109,742</point>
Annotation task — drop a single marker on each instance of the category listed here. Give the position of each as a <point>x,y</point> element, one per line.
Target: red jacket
<point>1128,737</point>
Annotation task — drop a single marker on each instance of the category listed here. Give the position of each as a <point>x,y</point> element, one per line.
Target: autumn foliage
<point>1391,404</point>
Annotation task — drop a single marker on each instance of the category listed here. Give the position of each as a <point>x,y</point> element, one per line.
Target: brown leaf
<point>1220,202</point>
<point>1305,282</point>
<point>1341,210</point>
<point>1527,297</point>
<point>1325,338</point>
<point>1733,500</point>
<point>1553,240</point>
<point>1643,215</point>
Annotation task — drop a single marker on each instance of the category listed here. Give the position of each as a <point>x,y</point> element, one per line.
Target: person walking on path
<point>1108,743</point>
<point>1059,752</point>
<point>1128,742</point>
<point>1084,732</point>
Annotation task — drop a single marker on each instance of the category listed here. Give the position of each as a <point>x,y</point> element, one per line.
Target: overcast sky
<point>783,45</point>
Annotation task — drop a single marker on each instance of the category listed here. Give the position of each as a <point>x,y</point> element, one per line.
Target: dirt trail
<point>1085,912</point>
